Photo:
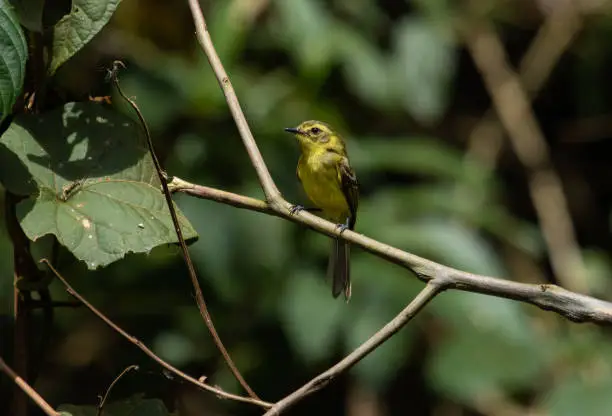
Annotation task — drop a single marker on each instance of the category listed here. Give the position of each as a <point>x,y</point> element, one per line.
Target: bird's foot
<point>295,209</point>
<point>342,227</point>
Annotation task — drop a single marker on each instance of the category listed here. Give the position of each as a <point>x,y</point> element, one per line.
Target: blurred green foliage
<point>394,77</point>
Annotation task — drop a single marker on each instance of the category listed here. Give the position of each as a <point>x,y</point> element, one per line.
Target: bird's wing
<point>350,188</point>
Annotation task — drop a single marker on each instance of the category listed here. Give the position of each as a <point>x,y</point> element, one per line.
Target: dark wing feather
<point>350,189</point>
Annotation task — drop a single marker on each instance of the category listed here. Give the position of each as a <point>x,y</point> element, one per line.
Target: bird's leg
<point>297,208</point>
<point>343,227</point>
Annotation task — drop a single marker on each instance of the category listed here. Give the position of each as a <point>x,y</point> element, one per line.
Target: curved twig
<point>110,387</point>
<point>179,233</point>
<point>148,351</point>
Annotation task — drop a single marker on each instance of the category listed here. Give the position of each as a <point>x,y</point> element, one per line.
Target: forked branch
<point>573,306</point>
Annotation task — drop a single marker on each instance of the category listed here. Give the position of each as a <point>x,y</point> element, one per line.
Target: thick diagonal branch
<point>573,306</point>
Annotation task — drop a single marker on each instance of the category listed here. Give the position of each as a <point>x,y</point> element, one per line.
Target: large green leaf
<point>476,363</point>
<point>76,29</point>
<point>311,47</point>
<point>134,406</point>
<point>13,56</point>
<point>90,182</point>
<point>311,317</point>
<point>423,67</point>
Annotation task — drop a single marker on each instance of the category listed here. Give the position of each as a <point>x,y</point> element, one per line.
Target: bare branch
<point>27,389</point>
<point>573,306</point>
<point>272,193</point>
<point>433,287</point>
<point>148,351</point>
<point>527,139</point>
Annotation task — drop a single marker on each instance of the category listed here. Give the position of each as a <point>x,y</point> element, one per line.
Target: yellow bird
<point>331,185</point>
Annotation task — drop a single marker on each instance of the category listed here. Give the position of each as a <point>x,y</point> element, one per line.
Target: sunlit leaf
<point>364,66</point>
<point>90,182</point>
<point>448,242</point>
<point>584,385</point>
<point>306,29</point>
<point>310,316</point>
<point>473,364</point>
<point>77,28</point>
<point>380,291</point>
<point>423,67</point>
<point>417,155</point>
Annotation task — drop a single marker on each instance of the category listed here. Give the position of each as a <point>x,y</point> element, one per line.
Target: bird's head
<point>313,135</point>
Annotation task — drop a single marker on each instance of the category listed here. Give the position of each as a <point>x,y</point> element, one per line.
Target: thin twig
<point>27,389</point>
<point>148,351</point>
<point>191,269</point>
<point>573,306</point>
<point>433,287</point>
<point>512,105</point>
<point>103,399</point>
<point>272,193</point>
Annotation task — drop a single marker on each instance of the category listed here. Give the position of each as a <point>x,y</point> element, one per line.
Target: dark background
<point>396,79</point>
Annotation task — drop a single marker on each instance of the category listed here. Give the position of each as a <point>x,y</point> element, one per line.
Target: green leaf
<point>76,29</point>
<point>424,65</point>
<point>13,57</point>
<point>418,155</point>
<point>134,406</point>
<point>577,396</point>
<point>584,376</point>
<point>364,66</point>
<point>478,362</point>
<point>306,26</point>
<point>380,291</point>
<point>311,316</point>
<point>449,242</point>
<point>91,183</point>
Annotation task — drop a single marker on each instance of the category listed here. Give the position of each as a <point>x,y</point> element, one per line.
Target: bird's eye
<point>315,130</point>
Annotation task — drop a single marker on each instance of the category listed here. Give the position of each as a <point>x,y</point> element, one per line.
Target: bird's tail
<point>339,269</point>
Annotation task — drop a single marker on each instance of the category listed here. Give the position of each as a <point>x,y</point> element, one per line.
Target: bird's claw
<point>342,227</point>
<point>295,209</point>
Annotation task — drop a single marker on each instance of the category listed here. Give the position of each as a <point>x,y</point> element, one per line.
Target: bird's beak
<point>292,130</point>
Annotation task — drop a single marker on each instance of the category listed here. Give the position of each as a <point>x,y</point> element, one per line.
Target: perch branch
<point>573,306</point>
<point>147,350</point>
